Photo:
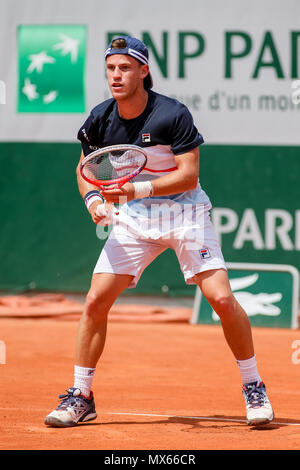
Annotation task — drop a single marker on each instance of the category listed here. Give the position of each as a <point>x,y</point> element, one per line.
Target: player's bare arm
<point>84,187</point>
<point>184,178</point>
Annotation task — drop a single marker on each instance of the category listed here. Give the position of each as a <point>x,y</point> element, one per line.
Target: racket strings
<point>113,165</point>
<point>127,162</point>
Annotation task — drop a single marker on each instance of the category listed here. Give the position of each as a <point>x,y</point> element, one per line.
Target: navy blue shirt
<point>165,128</point>
<point>165,121</point>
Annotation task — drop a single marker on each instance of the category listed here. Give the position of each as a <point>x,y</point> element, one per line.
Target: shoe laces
<point>255,395</point>
<point>67,399</point>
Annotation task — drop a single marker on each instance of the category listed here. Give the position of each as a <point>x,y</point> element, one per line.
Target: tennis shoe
<point>258,407</point>
<point>73,408</point>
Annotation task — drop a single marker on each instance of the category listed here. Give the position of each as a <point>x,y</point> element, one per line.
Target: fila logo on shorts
<point>205,253</point>
<point>146,138</point>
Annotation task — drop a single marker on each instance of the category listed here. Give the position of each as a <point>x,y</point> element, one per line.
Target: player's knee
<point>224,306</point>
<point>95,305</point>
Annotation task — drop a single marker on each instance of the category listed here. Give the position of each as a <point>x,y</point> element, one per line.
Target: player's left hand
<point>119,196</point>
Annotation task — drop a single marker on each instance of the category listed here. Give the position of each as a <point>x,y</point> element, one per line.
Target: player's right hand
<point>100,214</point>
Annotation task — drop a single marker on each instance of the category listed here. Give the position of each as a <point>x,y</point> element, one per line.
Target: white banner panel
<point>236,64</point>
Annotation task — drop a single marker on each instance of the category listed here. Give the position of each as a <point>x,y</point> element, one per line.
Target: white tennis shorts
<point>134,242</point>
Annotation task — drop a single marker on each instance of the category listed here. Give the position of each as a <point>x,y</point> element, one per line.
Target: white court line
<point>204,418</point>
<point>152,415</point>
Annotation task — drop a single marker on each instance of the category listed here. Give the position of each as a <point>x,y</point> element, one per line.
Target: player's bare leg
<point>105,289</point>
<point>216,288</point>
<point>78,404</point>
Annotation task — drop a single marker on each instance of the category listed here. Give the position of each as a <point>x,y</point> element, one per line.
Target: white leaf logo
<point>68,45</point>
<point>37,61</point>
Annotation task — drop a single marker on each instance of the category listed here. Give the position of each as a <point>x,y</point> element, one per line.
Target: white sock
<point>83,378</point>
<point>248,369</point>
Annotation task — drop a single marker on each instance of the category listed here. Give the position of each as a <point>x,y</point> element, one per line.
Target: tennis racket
<point>111,167</point>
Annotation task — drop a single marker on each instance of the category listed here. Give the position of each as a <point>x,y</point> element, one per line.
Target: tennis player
<point>168,190</point>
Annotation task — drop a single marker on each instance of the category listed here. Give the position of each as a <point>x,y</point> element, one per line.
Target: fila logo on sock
<point>146,138</point>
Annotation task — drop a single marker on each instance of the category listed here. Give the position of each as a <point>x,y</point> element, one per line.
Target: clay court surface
<point>160,385</point>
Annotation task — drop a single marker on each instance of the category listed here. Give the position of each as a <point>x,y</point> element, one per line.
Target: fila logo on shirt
<point>146,138</point>
<point>205,253</point>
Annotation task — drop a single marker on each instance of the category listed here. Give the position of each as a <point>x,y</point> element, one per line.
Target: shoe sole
<point>259,421</point>
<point>55,422</point>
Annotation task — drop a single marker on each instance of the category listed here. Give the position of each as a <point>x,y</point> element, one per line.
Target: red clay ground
<point>166,386</point>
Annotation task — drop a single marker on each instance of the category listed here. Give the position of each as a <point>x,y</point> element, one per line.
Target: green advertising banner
<point>268,293</point>
<point>51,62</point>
<point>48,240</point>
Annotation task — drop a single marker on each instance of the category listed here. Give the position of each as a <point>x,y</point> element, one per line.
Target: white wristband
<point>91,200</point>
<point>91,197</point>
<point>143,189</point>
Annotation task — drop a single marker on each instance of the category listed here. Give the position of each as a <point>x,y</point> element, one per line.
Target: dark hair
<point>119,43</point>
